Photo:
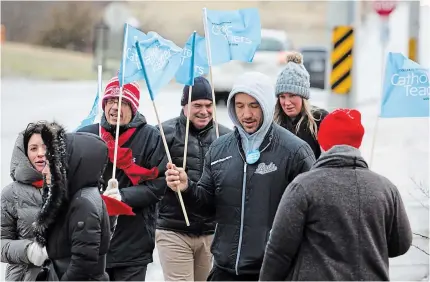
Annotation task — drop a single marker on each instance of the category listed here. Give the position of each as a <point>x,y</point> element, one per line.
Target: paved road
<point>398,156</point>
<point>24,101</point>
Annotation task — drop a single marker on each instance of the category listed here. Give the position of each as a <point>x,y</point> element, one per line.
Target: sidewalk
<point>401,153</point>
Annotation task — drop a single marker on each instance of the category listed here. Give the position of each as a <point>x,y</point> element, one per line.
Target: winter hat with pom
<point>294,78</point>
<point>130,93</point>
<point>341,127</point>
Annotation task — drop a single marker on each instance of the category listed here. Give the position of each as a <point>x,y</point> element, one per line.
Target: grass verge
<point>21,60</point>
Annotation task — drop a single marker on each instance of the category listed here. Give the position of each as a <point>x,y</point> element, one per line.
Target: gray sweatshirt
<point>339,221</point>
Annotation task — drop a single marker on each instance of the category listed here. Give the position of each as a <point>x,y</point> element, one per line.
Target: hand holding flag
<point>160,60</point>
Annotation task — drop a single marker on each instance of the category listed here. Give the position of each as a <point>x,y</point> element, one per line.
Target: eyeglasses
<point>113,101</point>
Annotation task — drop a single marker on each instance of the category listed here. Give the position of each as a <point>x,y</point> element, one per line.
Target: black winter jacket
<point>74,223</point>
<point>134,239</point>
<point>170,216</point>
<point>304,133</point>
<point>244,217</point>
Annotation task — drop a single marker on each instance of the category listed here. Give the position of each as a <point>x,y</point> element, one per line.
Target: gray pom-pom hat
<point>294,78</point>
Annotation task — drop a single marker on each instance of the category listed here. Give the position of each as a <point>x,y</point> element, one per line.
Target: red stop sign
<point>384,8</point>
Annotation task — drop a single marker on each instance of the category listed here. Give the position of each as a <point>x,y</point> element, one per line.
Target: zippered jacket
<point>170,216</point>
<point>20,205</point>
<point>244,197</point>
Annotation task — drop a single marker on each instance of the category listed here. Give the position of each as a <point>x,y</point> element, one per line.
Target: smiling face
<point>200,112</point>
<point>111,111</point>
<point>291,104</point>
<point>36,152</point>
<point>248,112</point>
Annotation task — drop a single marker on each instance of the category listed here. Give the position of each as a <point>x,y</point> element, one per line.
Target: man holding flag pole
<point>135,155</point>
<point>184,251</point>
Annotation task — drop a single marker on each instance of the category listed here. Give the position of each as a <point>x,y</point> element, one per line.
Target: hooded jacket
<point>20,204</point>
<point>73,223</point>
<point>244,197</point>
<point>338,222</point>
<point>134,239</point>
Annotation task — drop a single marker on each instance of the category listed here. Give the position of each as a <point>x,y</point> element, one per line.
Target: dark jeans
<point>217,274</point>
<point>127,273</point>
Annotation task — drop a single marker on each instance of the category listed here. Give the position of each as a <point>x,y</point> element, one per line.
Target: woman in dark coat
<point>74,223</point>
<point>293,110</point>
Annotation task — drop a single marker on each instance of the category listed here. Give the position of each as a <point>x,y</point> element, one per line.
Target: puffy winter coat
<point>170,216</point>
<point>74,223</point>
<point>20,204</point>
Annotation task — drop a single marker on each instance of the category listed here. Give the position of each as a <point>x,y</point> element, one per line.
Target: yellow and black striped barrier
<point>413,49</point>
<point>342,59</point>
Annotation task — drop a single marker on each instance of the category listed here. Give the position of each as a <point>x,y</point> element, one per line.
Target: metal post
<point>100,44</point>
<point>341,13</point>
<point>356,6</point>
<point>414,30</point>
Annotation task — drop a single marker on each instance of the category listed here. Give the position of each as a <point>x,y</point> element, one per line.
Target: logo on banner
<point>131,55</point>
<point>156,58</point>
<point>186,54</point>
<point>223,29</point>
<point>414,81</point>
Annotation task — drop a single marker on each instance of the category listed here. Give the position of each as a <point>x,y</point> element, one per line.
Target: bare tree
<point>424,190</point>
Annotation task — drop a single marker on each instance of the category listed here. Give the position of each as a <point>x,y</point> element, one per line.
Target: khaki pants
<point>183,257</point>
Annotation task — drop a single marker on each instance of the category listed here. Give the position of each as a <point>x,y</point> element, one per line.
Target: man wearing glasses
<point>138,167</point>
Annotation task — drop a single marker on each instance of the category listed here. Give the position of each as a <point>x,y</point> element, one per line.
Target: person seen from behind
<point>339,221</point>
<point>74,224</point>
<point>21,201</point>
<point>244,176</point>
<point>293,109</point>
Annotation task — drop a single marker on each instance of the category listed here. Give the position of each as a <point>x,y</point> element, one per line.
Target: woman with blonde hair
<point>293,110</point>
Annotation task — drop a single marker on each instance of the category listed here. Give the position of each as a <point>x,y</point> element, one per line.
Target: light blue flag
<point>233,35</point>
<point>201,65</point>
<point>93,116</point>
<point>161,59</point>
<point>130,69</point>
<point>406,88</point>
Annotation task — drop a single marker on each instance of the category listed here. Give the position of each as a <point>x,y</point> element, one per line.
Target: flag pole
<point>166,147</point>
<point>208,51</point>
<point>384,34</point>
<point>190,91</point>
<point>118,121</point>
<point>100,108</point>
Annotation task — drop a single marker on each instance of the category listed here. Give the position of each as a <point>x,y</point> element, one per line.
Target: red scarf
<point>38,184</point>
<point>125,157</point>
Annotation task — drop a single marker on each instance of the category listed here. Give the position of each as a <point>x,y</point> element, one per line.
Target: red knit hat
<point>341,127</point>
<point>130,93</point>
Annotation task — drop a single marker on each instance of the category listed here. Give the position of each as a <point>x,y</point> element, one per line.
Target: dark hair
<point>32,128</point>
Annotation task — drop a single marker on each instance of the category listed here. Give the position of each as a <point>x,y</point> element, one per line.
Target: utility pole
<point>425,34</point>
<point>342,23</point>
<point>414,30</point>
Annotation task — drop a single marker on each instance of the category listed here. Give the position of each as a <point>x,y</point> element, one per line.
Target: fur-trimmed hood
<point>76,161</point>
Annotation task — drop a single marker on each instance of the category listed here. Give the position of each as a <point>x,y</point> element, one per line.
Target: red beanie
<point>130,93</point>
<point>341,127</point>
